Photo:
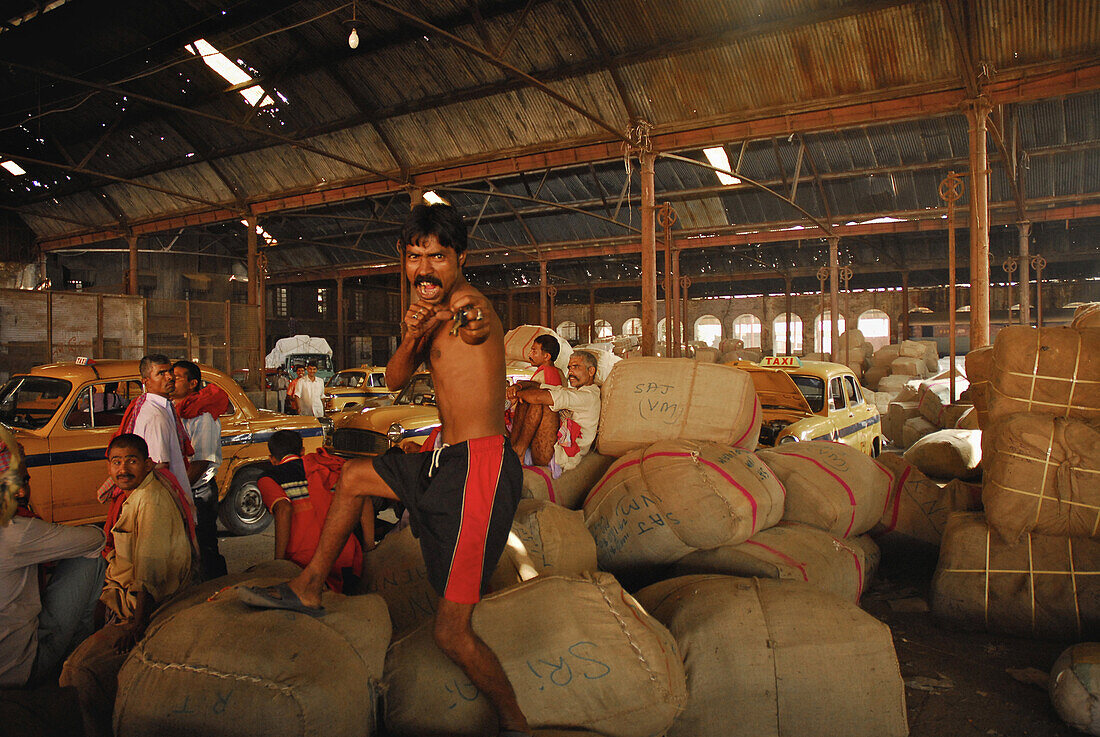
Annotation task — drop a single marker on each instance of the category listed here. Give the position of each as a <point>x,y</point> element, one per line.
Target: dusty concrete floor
<point>957,684</point>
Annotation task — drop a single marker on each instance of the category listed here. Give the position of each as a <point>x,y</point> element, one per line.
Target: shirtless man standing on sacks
<point>462,497</point>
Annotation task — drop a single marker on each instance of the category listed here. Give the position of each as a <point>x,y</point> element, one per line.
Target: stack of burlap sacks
<point>1028,564</point>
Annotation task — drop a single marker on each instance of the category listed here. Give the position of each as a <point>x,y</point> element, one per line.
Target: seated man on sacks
<point>574,415</point>
<point>527,419</point>
<point>298,492</point>
<point>151,554</point>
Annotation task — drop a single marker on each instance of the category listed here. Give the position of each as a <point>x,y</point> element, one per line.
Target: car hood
<point>379,419</point>
<point>776,388</point>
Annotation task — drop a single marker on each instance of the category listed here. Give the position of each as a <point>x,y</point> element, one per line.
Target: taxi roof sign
<point>781,361</point>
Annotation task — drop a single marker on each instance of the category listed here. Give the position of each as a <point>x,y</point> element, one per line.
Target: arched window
<point>633,326</point>
<point>603,329</point>
<point>568,330</point>
<point>823,331</point>
<point>660,336</point>
<point>875,326</point>
<point>747,327</point>
<point>708,329</point>
<point>779,331</point>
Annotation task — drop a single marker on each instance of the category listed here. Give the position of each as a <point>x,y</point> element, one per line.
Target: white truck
<point>298,350</point>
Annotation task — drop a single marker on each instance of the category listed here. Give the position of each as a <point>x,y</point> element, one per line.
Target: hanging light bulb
<point>353,39</point>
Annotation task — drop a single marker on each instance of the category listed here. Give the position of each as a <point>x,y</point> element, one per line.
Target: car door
<point>860,414</point>
<point>838,410</point>
<point>78,447</point>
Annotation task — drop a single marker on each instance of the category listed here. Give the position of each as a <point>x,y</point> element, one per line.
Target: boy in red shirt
<point>298,491</point>
<point>532,426</point>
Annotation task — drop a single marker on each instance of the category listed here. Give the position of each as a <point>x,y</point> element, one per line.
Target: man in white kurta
<point>310,392</point>
<point>156,420</point>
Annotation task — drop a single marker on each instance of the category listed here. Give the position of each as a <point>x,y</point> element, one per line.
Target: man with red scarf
<point>199,410</point>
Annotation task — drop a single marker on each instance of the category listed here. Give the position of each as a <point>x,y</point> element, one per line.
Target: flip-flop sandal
<point>280,596</point>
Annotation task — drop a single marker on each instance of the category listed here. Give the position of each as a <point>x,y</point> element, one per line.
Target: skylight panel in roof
<point>717,157</point>
<point>267,238</point>
<point>230,72</point>
<point>13,168</point>
<point>433,199</point>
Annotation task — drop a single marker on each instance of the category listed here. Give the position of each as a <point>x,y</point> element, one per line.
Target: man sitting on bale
<point>527,419</point>
<point>574,415</point>
<point>151,554</point>
<point>298,491</point>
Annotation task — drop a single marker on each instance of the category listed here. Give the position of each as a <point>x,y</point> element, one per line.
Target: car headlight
<point>788,439</point>
<point>395,433</point>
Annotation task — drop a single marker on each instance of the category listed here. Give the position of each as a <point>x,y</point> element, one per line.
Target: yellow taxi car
<point>355,387</point>
<point>813,400</point>
<point>412,416</point>
<point>64,415</point>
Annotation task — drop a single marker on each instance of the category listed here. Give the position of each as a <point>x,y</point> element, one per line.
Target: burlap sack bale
<point>518,342</point>
<point>220,667</point>
<point>868,352</point>
<point>914,429</point>
<point>948,454</point>
<point>979,370</point>
<point>270,571</point>
<point>652,507</point>
<point>894,383</point>
<point>852,337</point>
<point>874,375</point>
<point>918,507</point>
<point>579,651</point>
<point>569,489</point>
<point>934,396</point>
<point>857,369</point>
<point>952,413</point>
<point>1044,586</point>
<point>885,355</point>
<point>1074,687</point>
<point>931,356</point>
<point>1051,370</point>
<point>897,413</point>
<point>795,552</point>
<point>546,540</point>
<point>649,399</point>
<point>706,355</point>
<point>1086,316</point>
<point>968,420</point>
<point>1043,475</point>
<point>909,366</point>
<point>912,349</point>
<point>829,485</point>
<point>727,345</point>
<point>882,402</point>
<point>778,659</point>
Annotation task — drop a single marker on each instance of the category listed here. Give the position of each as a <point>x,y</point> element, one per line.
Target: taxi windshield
<point>352,379</point>
<point>30,401</point>
<point>419,390</point>
<point>813,389</point>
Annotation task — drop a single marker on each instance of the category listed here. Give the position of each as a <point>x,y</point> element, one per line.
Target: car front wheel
<point>242,511</point>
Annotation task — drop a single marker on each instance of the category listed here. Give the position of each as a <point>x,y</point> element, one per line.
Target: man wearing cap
<point>38,629</point>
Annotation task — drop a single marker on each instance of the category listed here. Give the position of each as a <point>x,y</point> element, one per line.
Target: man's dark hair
<point>148,362</point>
<point>192,370</point>
<point>131,442</point>
<point>311,364</point>
<point>442,221</point>
<point>549,344</point>
<point>284,443</point>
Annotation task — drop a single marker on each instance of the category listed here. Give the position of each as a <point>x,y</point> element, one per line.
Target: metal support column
<point>261,312</point>
<point>834,299</point>
<point>1025,273</point>
<point>672,322</point>
<point>649,259</point>
<point>544,312</point>
<point>977,115</point>
<point>551,293</point>
<point>682,320</point>
<point>250,239</point>
<point>790,349</point>
<point>132,287</point>
<point>592,315</point>
<point>950,192</point>
<point>511,302</point>
<point>1038,263</point>
<point>667,218</point>
<point>341,318</point>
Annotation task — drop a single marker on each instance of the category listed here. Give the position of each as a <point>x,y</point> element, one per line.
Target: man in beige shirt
<point>150,557</point>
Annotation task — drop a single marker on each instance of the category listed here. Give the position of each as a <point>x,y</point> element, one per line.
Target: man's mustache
<point>427,280</point>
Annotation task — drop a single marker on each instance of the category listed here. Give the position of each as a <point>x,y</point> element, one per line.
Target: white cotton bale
<point>931,356</point>
<point>190,675</point>
<point>829,485</point>
<point>911,349</point>
<point>727,345</point>
<point>1043,475</point>
<point>914,429</point>
<point>771,658</point>
<point>1074,687</point>
<point>649,399</point>
<point>569,489</point>
<point>546,540</point>
<point>1055,371</point>
<point>909,366</point>
<point>948,454</point>
<point>518,342</point>
<point>794,552</point>
<point>706,355</point>
<point>918,507</point>
<point>894,383</point>
<point>579,651</point>
<point>885,355</point>
<point>655,506</point>
<point>1043,586</point>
